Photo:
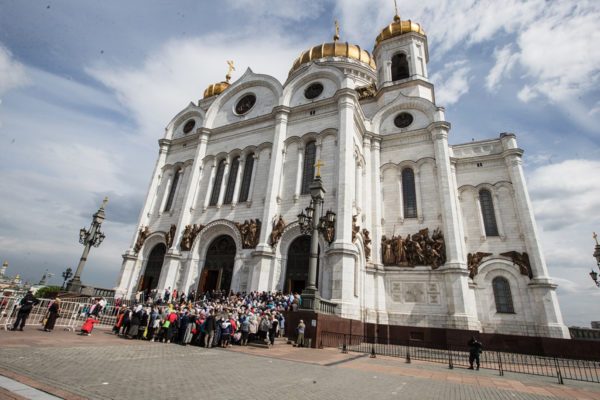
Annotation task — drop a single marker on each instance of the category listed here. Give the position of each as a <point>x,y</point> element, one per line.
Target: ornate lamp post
<point>88,238</point>
<point>594,274</point>
<point>68,273</point>
<point>311,224</point>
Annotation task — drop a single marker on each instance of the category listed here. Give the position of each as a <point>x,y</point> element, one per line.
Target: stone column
<point>368,188</point>
<point>188,200</point>
<point>224,182</point>
<point>342,254</point>
<point>275,170</point>
<point>377,208</point>
<point>461,299</point>
<point>253,178</point>
<point>299,171</point>
<point>129,257</point>
<point>418,194</point>
<point>358,189</point>
<point>546,306</point>
<point>264,255</point>
<point>211,183</point>
<point>238,181</point>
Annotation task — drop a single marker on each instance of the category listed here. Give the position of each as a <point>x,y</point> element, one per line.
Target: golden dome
<point>215,89</point>
<point>334,49</point>
<point>398,28</point>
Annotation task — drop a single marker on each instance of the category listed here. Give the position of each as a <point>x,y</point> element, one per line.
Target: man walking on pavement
<point>26,305</point>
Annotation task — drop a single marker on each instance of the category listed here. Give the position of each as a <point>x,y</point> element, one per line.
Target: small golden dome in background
<point>218,88</point>
<point>398,28</point>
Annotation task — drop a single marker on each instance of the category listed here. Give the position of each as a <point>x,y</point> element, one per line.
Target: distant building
<point>427,233</point>
<point>584,333</point>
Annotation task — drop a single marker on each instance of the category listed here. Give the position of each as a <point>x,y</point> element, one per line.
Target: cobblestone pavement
<point>105,367</point>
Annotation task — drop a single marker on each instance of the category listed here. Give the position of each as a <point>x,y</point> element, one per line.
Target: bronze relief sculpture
<point>249,231</point>
<point>142,236</point>
<point>416,249</point>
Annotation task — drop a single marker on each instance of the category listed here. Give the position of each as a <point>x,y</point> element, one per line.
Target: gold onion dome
<point>398,28</point>
<point>334,49</point>
<point>218,88</point>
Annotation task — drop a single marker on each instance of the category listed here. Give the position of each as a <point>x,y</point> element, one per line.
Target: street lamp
<point>68,273</point>
<point>312,223</point>
<point>594,274</point>
<point>88,238</point>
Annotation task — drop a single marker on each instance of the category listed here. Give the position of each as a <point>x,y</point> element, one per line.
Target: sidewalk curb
<point>39,386</point>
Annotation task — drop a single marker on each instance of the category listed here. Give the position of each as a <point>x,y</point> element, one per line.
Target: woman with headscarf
<point>52,315</point>
<point>136,319</point>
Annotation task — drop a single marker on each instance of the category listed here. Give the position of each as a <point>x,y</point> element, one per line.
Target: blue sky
<point>86,89</point>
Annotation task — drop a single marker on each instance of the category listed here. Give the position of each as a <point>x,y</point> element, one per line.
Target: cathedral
<point>425,233</point>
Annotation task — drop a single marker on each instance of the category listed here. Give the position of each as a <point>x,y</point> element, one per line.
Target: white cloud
<point>505,62</point>
<point>12,72</point>
<point>527,93</point>
<point>179,71</point>
<point>566,193</point>
<point>452,82</point>
<point>292,11</point>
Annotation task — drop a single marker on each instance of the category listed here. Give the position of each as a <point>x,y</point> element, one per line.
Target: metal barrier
<point>556,367</point>
<point>67,314</point>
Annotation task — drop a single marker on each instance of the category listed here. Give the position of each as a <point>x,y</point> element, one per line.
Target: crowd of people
<point>210,319</point>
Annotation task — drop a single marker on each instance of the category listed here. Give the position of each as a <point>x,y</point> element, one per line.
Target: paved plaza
<point>103,366</point>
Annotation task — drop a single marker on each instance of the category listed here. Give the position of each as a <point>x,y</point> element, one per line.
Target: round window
<point>245,104</point>
<point>187,128</point>
<point>313,91</point>
<point>403,120</point>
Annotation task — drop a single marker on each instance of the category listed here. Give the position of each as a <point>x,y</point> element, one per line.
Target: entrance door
<point>218,268</point>
<point>296,272</point>
<point>154,265</point>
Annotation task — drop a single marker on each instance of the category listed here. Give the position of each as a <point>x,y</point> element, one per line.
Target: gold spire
<point>318,166</point>
<point>595,238</point>
<point>229,70</point>
<point>336,35</point>
<point>104,202</point>
<point>396,15</point>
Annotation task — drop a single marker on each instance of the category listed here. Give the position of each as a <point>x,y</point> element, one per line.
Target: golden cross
<point>396,7</point>
<point>229,70</point>
<point>318,166</point>
<point>336,36</point>
<point>104,202</point>
<point>595,237</point>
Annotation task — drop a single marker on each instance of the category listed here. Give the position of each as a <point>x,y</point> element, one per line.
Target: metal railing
<point>457,356</point>
<point>67,315</point>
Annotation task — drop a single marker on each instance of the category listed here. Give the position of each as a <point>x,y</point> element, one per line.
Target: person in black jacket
<point>475,349</point>
<point>209,328</point>
<point>26,304</point>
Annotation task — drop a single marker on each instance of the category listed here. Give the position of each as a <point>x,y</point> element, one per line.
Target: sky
<point>87,88</point>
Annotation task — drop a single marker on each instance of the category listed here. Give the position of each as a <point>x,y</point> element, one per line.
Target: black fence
<point>458,356</point>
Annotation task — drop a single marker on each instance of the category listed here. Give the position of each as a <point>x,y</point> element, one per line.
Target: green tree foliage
<point>47,292</point>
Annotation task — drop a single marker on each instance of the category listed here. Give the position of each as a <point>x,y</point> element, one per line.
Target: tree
<point>47,292</point>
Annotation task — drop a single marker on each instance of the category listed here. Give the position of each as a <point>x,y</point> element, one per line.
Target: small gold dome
<point>215,89</point>
<point>334,49</point>
<point>398,28</point>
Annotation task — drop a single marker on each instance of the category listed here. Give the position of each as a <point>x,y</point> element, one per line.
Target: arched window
<point>502,295</point>
<point>172,190</point>
<point>310,152</point>
<point>399,67</point>
<point>245,190</point>
<point>409,195</point>
<point>214,197</point>
<point>487,212</point>
<point>235,164</point>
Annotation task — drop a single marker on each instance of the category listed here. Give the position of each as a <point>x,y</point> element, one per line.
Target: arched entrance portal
<point>153,267</point>
<point>296,272</point>
<point>218,267</point>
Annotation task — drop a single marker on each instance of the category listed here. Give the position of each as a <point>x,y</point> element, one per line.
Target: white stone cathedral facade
<point>442,236</point>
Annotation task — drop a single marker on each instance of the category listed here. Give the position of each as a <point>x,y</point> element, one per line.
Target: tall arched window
<point>399,67</point>
<point>487,213</point>
<point>502,295</point>
<point>214,197</point>
<point>235,164</point>
<point>409,195</point>
<point>172,190</point>
<point>245,190</point>
<point>310,152</point>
